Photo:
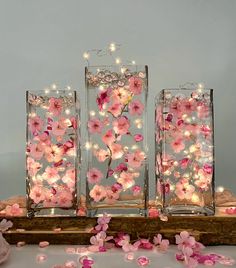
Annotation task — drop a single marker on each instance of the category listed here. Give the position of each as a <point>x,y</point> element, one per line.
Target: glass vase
<point>52,153</point>
<point>117,171</point>
<point>185,151</point>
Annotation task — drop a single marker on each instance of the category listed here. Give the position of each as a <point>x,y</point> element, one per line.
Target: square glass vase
<point>52,152</point>
<point>117,168</point>
<point>185,151</point>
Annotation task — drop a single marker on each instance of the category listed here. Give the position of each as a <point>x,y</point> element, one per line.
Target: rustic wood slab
<point>215,230</point>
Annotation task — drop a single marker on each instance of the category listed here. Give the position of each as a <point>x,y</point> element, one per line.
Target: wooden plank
<point>215,230</point>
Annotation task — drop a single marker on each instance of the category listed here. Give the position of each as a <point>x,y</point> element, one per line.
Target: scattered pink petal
<point>41,257</point>
<point>70,250</point>
<point>43,244</point>
<point>129,256</point>
<point>70,264</point>
<point>57,230</point>
<point>81,250</point>
<point>20,244</point>
<point>143,261</point>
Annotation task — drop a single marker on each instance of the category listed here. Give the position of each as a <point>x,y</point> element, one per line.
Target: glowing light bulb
<point>95,146</point>
<point>68,87</point>
<point>220,189</point>
<point>176,163</point>
<point>88,145</point>
<point>118,60</point>
<point>53,86</point>
<point>187,133</point>
<point>92,113</point>
<point>67,111</point>
<point>195,198</point>
<point>102,113</point>
<point>86,55</point>
<point>70,93</point>
<point>116,176</point>
<point>192,148</point>
<point>134,147</point>
<point>112,47</point>
<point>133,62</point>
<point>101,87</point>
<point>200,88</point>
<point>122,69</point>
<point>46,90</point>
<point>57,91</point>
<point>184,116</point>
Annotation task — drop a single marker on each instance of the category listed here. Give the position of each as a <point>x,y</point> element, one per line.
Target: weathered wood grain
<point>215,230</point>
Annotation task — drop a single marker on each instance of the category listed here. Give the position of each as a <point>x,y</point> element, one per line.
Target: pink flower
<point>35,124</point>
<point>153,213</point>
<point>208,168</point>
<point>115,109</point>
<point>51,175</point>
<point>121,125</point>
<point>103,222</point>
<point>184,162</point>
<point>59,127</point>
<point>43,138</point>
<point>203,110</point>
<point>55,106</point>
<point>123,240</point>
<point>94,175</point>
<point>99,241</point>
<point>64,198</point>
<point>95,125</point>
<point>185,240</point>
<point>206,131</point>
<point>187,106</point>
<point>103,97</point>
<point>32,166</point>
<point>162,244</point>
<point>98,193</point>
<point>145,244</point>
<point>36,150</point>
<point>138,137</point>
<point>13,210</point>
<point>111,196</point>
<point>121,167</point>
<point>184,190</point>
<point>121,95</point>
<point>69,178</point>
<point>126,179</point>
<point>109,137</point>
<point>136,107</point>
<point>135,85</point>
<point>116,151</point>
<point>37,194</point>
<point>101,155</point>
<point>177,145</point>
<point>136,190</point>
<point>73,121</point>
<point>135,160</point>
<point>53,153</point>
<point>204,179</point>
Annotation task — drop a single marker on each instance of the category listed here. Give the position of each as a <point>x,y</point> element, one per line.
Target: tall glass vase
<point>52,154</point>
<point>117,172</point>
<point>185,150</point>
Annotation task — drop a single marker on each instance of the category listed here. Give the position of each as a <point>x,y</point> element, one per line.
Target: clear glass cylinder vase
<point>52,153</point>
<point>117,171</point>
<point>185,151</point>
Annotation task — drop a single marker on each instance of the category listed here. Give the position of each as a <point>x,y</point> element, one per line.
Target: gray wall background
<point>42,42</point>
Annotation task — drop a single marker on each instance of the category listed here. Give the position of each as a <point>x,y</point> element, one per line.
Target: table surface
<point>115,258</point>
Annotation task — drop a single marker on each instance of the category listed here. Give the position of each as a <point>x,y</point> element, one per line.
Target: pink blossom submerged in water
<point>136,107</point>
<point>135,85</point>
<point>35,124</point>
<point>95,125</point>
<point>94,175</point>
<point>55,106</point>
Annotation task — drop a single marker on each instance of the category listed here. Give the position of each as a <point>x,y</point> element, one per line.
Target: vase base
<point>51,212</point>
<point>182,210</point>
<point>117,212</point>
